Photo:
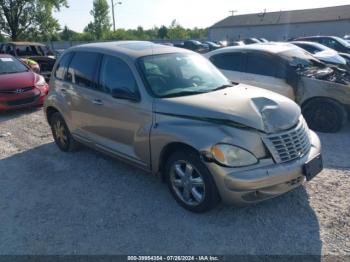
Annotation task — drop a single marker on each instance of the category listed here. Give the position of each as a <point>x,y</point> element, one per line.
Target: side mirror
<point>125,94</point>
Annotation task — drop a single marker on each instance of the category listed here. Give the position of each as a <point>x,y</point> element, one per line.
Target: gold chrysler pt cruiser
<point>171,112</point>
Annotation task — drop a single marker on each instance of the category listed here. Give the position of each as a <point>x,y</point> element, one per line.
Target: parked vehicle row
<point>235,135</point>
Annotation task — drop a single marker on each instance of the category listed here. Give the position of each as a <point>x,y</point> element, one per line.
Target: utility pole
<point>113,15</point>
<point>233,12</point>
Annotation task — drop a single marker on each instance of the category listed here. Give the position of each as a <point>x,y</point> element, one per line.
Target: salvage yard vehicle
<point>322,92</point>
<point>333,42</point>
<point>195,46</point>
<point>171,112</point>
<point>323,53</point>
<point>40,53</point>
<point>19,85</point>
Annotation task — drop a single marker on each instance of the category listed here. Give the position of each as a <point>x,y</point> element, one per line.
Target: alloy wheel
<point>187,183</point>
<point>60,133</point>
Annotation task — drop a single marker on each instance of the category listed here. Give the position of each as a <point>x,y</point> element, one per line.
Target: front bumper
<point>264,181</point>
<point>35,97</point>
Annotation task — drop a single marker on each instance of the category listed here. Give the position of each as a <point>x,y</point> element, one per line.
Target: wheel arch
<point>49,111</point>
<point>312,99</point>
<point>168,150</point>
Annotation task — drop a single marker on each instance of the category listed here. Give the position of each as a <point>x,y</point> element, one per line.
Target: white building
<point>278,26</point>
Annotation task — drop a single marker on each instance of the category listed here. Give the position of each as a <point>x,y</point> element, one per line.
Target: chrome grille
<point>289,145</point>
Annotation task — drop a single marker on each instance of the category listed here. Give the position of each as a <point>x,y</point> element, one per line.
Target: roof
<point>133,49</point>
<point>5,56</point>
<point>287,17</point>
<point>273,48</point>
<point>25,43</point>
<point>313,44</point>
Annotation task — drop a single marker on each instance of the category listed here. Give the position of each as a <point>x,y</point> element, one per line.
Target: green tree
<point>176,31</point>
<point>67,34</point>
<point>26,18</point>
<point>163,32</point>
<point>101,23</point>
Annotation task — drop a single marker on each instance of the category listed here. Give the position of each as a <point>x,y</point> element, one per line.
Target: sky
<point>189,13</point>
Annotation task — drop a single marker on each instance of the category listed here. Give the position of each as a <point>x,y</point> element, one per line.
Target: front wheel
<point>190,182</point>
<point>325,115</point>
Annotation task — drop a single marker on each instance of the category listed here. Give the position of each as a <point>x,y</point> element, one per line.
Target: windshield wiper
<point>222,87</point>
<point>183,93</point>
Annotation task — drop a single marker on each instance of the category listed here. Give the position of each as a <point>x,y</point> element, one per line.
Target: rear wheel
<point>325,115</point>
<point>61,134</point>
<point>190,182</point>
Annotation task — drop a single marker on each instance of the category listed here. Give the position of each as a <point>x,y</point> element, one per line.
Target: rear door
<point>77,89</point>
<point>117,126</point>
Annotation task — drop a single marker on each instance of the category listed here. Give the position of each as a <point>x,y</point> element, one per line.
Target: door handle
<point>97,102</point>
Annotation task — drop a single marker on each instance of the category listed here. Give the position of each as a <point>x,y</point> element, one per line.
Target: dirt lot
<point>87,203</point>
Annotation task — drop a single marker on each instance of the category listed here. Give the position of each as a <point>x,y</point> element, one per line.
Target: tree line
<point>32,20</point>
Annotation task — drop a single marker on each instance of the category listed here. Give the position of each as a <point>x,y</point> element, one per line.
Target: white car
<point>322,92</point>
<point>323,53</point>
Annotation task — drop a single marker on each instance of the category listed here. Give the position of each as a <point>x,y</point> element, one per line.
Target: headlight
<point>232,156</point>
<point>41,81</point>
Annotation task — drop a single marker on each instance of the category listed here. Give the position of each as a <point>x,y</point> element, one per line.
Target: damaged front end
<point>312,82</point>
<point>334,74</point>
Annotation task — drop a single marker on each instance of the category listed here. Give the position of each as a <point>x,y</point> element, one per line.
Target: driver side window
<point>114,74</point>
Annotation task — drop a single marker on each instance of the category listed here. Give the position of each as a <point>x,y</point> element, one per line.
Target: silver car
<point>171,112</point>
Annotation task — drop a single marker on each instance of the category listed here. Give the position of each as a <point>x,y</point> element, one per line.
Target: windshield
<point>300,58</point>
<point>172,75</point>
<point>9,65</point>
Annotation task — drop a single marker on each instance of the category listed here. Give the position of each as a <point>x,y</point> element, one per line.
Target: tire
<point>325,115</point>
<point>195,190</point>
<point>61,134</point>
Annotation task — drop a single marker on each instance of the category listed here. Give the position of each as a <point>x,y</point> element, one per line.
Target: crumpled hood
<point>241,105</point>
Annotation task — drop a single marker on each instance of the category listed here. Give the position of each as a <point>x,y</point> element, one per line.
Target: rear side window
<point>309,48</point>
<point>82,69</point>
<point>331,43</point>
<point>26,50</point>
<point>230,61</point>
<point>62,66</point>
<point>114,74</point>
<point>260,64</point>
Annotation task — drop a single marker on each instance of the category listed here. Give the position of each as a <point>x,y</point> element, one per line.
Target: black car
<point>195,46</point>
<point>332,42</point>
<point>38,52</point>
<point>250,41</point>
<point>212,45</point>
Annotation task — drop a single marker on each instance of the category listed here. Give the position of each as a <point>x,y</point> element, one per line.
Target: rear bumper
<point>264,181</point>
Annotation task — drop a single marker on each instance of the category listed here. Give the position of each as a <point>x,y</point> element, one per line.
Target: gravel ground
<point>87,203</point>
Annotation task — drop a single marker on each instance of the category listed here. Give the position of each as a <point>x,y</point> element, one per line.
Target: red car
<point>19,85</point>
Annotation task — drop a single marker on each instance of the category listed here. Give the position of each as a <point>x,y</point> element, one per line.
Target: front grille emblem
<point>19,91</point>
